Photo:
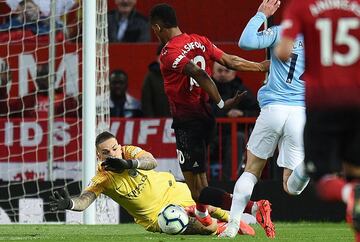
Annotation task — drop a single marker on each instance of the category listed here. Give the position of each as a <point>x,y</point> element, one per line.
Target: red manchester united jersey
<point>331,31</point>
<point>187,100</point>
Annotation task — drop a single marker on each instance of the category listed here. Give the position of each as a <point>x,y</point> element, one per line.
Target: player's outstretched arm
<point>206,83</point>
<point>83,201</point>
<point>250,38</point>
<point>203,79</point>
<point>60,200</point>
<point>147,162</point>
<point>237,63</point>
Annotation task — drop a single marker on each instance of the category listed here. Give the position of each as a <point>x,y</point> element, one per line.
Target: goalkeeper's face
<point>109,148</point>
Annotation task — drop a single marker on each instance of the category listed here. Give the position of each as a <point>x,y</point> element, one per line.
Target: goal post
<point>89,103</point>
<point>51,111</point>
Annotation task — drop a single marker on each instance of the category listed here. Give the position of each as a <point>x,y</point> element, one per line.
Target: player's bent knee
<point>255,166</point>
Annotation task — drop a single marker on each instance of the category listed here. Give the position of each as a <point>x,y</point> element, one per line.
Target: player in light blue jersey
<point>284,85</point>
<point>281,120</point>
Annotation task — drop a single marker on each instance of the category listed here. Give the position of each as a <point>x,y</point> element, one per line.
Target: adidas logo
<point>196,164</point>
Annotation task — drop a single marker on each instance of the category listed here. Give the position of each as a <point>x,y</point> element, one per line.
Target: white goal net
<point>40,105</point>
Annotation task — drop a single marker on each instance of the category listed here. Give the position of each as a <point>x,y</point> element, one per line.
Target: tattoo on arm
<point>147,162</point>
<point>83,201</point>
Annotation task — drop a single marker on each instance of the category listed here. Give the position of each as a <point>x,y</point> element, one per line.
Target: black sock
<point>215,197</point>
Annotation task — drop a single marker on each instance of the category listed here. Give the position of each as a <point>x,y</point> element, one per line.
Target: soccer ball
<point>173,219</point>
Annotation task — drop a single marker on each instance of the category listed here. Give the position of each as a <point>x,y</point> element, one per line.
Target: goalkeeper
<point>125,174</point>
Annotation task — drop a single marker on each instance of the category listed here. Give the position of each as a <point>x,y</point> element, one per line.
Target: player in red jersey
<point>331,31</point>
<point>186,62</point>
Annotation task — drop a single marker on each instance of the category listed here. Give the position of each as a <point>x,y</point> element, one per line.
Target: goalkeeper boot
<point>202,214</point>
<point>190,210</point>
<point>206,221</point>
<point>263,217</point>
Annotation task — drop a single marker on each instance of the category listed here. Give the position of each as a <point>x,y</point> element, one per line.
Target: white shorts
<point>283,126</point>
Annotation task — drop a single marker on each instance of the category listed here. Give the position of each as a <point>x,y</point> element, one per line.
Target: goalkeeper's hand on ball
<point>118,164</point>
<point>60,200</point>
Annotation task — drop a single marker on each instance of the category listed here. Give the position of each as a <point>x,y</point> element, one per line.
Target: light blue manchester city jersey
<point>284,85</point>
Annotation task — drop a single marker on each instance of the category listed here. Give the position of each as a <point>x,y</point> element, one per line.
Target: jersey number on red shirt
<point>342,37</point>
<point>197,60</point>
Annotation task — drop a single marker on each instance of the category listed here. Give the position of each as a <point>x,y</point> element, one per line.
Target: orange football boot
<point>264,219</point>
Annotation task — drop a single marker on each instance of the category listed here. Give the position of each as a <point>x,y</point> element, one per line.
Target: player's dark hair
<point>164,14</point>
<point>103,137</point>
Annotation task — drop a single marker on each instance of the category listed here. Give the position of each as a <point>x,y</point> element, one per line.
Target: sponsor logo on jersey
<point>133,172</point>
<point>268,31</point>
<point>138,189</point>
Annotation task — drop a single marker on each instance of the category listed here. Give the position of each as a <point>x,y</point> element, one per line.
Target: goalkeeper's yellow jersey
<point>142,193</point>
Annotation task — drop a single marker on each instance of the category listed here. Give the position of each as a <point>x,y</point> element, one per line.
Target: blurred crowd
<point>125,24</point>
<point>29,21</point>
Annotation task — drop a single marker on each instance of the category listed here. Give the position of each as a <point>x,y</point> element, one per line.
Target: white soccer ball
<point>173,219</point>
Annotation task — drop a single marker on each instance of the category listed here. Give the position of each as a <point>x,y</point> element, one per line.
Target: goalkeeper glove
<point>60,200</point>
<point>118,165</point>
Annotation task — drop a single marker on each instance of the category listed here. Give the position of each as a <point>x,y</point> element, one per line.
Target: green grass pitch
<point>291,232</point>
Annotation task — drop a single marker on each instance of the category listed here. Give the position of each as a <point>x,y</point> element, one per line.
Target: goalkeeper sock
<point>248,207</point>
<point>216,197</point>
<point>201,210</point>
<point>220,214</point>
<point>251,208</point>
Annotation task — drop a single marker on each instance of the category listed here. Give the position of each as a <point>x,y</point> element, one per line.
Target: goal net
<point>41,106</point>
